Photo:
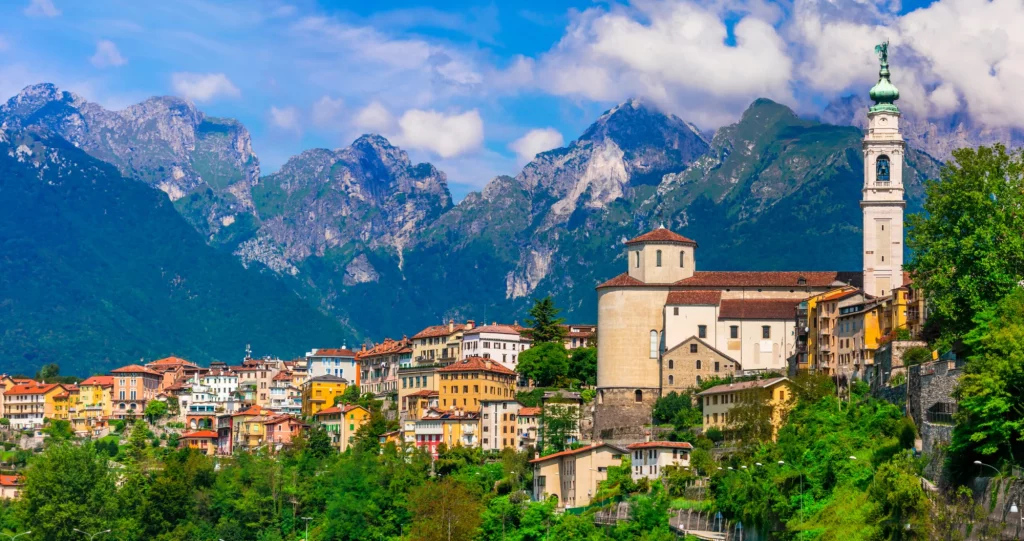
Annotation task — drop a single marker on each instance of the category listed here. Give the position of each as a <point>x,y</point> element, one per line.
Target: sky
<point>479,87</point>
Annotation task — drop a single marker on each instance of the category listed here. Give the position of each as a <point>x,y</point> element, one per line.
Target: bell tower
<point>882,200</point>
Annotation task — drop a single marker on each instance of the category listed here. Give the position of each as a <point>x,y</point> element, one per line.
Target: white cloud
<point>440,133</point>
<point>327,111</point>
<point>285,118</point>
<point>202,87</point>
<point>374,118</point>
<point>107,55</point>
<point>42,8</point>
<point>536,141</point>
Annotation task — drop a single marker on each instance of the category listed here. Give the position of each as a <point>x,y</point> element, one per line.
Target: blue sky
<point>478,87</point>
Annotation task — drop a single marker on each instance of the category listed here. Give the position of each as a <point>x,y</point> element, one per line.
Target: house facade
<point>573,475</point>
<point>649,459</point>
<point>134,387</point>
<point>502,343</point>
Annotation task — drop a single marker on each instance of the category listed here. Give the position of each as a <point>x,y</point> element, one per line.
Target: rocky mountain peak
<point>636,123</point>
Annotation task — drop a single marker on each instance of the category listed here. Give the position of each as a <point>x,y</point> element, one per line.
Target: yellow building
<point>95,396</point>
<point>248,430</point>
<point>439,344</point>
<point>464,384</point>
<point>204,441</point>
<point>342,423</point>
<point>28,405</point>
<point>318,393</point>
<point>719,401</point>
<point>413,382</point>
<point>572,476</point>
<point>65,405</point>
<point>811,327</point>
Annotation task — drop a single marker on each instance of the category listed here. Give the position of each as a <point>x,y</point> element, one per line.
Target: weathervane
<point>882,50</point>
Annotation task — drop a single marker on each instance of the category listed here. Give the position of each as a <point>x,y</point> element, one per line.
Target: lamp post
<point>12,537</point>
<point>980,463</point>
<point>1015,509</point>
<point>91,536</point>
<point>307,519</point>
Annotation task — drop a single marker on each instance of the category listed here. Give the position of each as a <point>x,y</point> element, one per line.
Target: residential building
<point>413,407</point>
<point>339,362</point>
<point>453,428</point>
<point>692,362</point>
<point>330,420</point>
<point>285,398</point>
<point>220,381</point>
<point>28,405</point>
<point>378,366</point>
<point>225,433</point>
<point>204,441</point>
<point>65,405</point>
<point>439,344</point>
<point>809,328</point>
<point>95,398</point>
<point>10,487</point>
<point>247,429</point>
<point>565,405</point>
<point>342,423</point>
<point>498,424</point>
<point>572,476</point>
<point>416,381</point>
<point>579,336</point>
<point>256,376</point>
<point>502,343</point>
<point>466,383</point>
<point>319,393</point>
<point>650,458</point>
<point>527,422</point>
<point>719,401</point>
<point>134,387</point>
<point>174,369</point>
<point>280,430</point>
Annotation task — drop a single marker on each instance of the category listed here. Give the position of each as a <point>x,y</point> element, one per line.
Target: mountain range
<point>375,241</point>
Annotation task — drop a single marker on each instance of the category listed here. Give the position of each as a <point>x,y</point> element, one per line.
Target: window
<point>716,366</point>
<point>675,310</point>
<point>638,396</point>
<point>702,331</point>
<point>671,380</point>
<point>882,169</point>
<point>671,364</point>
<point>734,331</point>
<point>698,364</point>
<point>637,259</point>
<point>693,348</point>
<point>766,331</point>
<point>682,259</point>
<point>657,258</point>
<point>654,344</point>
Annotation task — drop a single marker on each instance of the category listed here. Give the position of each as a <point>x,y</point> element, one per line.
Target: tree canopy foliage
<point>546,363</point>
<point>547,326</point>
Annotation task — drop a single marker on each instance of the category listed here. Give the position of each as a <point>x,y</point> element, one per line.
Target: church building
<point>663,325</point>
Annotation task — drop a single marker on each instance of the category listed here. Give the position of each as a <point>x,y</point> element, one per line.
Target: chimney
<point>469,324</point>
<point>451,325</point>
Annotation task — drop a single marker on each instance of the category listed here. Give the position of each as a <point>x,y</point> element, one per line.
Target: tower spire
<point>884,93</point>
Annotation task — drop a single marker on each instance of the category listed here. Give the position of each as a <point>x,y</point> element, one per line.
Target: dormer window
<point>882,169</point>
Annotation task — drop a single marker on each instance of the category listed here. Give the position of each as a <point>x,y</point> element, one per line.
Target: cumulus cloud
<point>536,141</point>
<point>285,118</point>
<point>327,111</point>
<point>443,134</point>
<point>42,8</point>
<point>107,55</point>
<point>374,118</point>
<point>203,87</point>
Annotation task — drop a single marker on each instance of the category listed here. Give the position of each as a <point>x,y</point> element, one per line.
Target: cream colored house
<point>719,401</point>
<point>572,476</point>
<point>650,458</point>
<point>439,344</point>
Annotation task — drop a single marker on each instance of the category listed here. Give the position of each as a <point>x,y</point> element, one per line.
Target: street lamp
<point>12,537</point>
<point>980,463</point>
<point>307,519</point>
<point>1014,509</point>
<point>91,536</point>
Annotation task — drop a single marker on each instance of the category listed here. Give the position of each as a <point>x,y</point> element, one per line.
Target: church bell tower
<point>882,200</point>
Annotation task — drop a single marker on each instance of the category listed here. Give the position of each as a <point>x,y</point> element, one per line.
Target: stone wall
<point>930,384</point>
<point>889,361</point>
<point>679,371</point>
<point>619,417</point>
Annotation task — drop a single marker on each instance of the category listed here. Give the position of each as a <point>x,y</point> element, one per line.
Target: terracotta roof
<point>743,385</point>
<point>694,297</point>
<point>32,388</point>
<point>835,294</point>
<point>282,376</point>
<point>424,392</point>
<point>662,235</point>
<point>23,381</point>
<point>200,434</point>
<point>758,309</point>
<point>11,480</point>
<point>622,280</point>
<point>134,369</point>
<point>102,381</point>
<point>387,347</point>
<point>497,329</point>
<point>476,363</point>
<point>251,410</point>
<point>333,352</point>
<point>766,279</point>
<point>281,419</point>
<point>171,362</point>
<point>325,411</point>
<point>435,331</point>
<point>657,444</point>
<point>573,452</point>
<point>528,412</point>
<point>351,407</point>
<point>326,377</point>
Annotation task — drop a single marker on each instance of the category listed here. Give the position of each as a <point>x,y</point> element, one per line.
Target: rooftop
<point>743,385</point>
<point>32,388</point>
<point>660,444</point>
<point>728,279</point>
<point>102,381</point>
<point>569,452</point>
<point>705,297</point>
<point>758,309</point>
<point>333,352</point>
<point>495,329</point>
<point>662,235</point>
<point>134,369</point>
<point>476,364</point>
<point>435,331</point>
<point>200,434</point>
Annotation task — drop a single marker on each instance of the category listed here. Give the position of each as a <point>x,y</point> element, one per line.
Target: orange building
<point>464,384</point>
<point>134,387</point>
<point>204,441</point>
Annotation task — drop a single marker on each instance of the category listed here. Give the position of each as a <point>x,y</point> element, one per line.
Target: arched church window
<point>671,380</point>
<point>882,169</point>
<point>637,258</point>
<point>638,396</point>
<point>671,365</point>
<point>682,259</point>
<point>654,344</point>
<point>657,257</point>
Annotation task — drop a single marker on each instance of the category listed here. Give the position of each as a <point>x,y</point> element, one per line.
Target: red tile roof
<point>497,329</point>
<point>102,381</point>
<point>23,381</point>
<point>424,392</point>
<point>764,279</point>
<point>662,235</point>
<point>387,347</point>
<point>325,411</point>
<point>622,280</point>
<point>694,297</point>
<point>170,362</point>
<point>568,452</point>
<point>476,363</point>
<point>657,444</point>
<point>758,309</point>
<point>200,434</point>
<point>435,331</point>
<point>528,412</point>
<point>277,419</point>
<point>32,388</point>
<point>334,352</point>
<point>251,410</point>
<point>134,369</point>
<point>743,385</point>
<point>351,407</point>
<point>11,480</point>
<point>282,376</point>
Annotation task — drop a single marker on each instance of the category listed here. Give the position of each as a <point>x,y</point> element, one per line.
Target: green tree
<point>58,430</point>
<point>137,441</point>
<point>319,444</point>
<point>547,326</point>
<point>544,363</point>
<point>67,487</point>
<point>990,418</point>
<point>559,423</point>
<point>917,355</point>
<point>155,409</point>
<point>48,372</point>
<point>897,489</point>
<point>678,409</point>
<point>583,365</point>
<point>967,245</point>
<point>443,511</point>
<point>350,396</point>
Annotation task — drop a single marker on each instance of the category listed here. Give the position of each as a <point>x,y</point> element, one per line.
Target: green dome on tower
<point>884,94</point>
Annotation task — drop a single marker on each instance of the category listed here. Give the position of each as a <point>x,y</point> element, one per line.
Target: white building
<point>503,343</point>
<point>219,383</point>
<point>498,424</point>
<point>339,362</point>
<point>650,458</point>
